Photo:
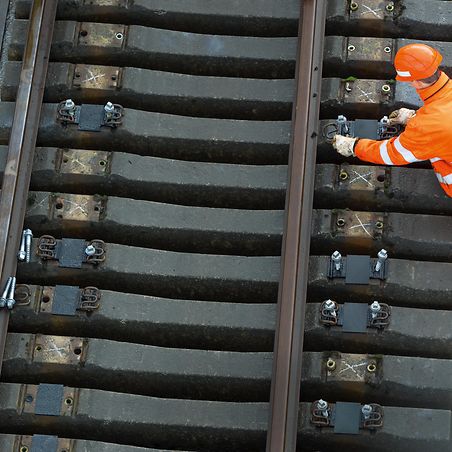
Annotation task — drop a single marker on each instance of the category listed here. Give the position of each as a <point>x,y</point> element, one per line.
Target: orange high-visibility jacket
<point>427,136</point>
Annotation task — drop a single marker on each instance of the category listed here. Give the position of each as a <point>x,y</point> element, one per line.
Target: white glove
<point>344,145</point>
<point>401,116</point>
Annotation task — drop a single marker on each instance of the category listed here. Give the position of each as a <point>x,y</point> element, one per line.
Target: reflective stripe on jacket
<point>427,136</point>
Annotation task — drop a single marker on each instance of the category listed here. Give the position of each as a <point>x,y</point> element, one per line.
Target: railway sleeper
<point>164,92</point>
<point>172,51</point>
<point>408,283</point>
<point>219,97</point>
<point>157,179</point>
<point>258,17</point>
<point>225,376</point>
<point>409,332</point>
<point>233,231</point>
<point>162,135</point>
<point>51,443</point>
<point>165,50</point>
<point>220,326</point>
<point>228,278</point>
<point>204,425</point>
<point>144,319</point>
<point>414,18</point>
<point>157,225</point>
<point>157,272</point>
<point>379,188</point>
<point>235,186</point>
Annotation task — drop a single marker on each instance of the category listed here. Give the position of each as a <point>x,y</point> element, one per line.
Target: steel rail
<point>22,143</point>
<point>287,358</point>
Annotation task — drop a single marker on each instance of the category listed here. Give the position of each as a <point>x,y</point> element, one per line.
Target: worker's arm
<point>413,145</point>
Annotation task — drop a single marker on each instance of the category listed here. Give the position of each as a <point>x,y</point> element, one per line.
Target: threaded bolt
<point>10,302</point>
<point>322,405</point>
<point>21,255</point>
<point>28,237</point>
<point>5,293</point>
<point>336,257</point>
<point>382,256</point>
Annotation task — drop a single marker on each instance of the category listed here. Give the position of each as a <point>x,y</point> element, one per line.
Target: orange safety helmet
<point>416,62</point>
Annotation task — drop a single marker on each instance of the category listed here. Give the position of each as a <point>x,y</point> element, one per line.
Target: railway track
<point>157,311</point>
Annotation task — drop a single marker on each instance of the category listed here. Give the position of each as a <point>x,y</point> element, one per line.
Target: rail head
<point>285,387</point>
<point>22,142</point>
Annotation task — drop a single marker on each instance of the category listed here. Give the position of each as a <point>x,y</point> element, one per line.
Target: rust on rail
<point>22,142</point>
<point>285,387</point>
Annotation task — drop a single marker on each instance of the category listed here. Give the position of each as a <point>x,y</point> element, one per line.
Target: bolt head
<point>329,304</point>
<point>10,303</point>
<point>382,254</point>
<point>375,306</point>
<point>21,255</point>
<point>28,232</point>
<point>336,255</point>
<point>90,250</point>
<point>109,108</point>
<point>322,404</point>
<point>69,104</point>
<point>366,409</point>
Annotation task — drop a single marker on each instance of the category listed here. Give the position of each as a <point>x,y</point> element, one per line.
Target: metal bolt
<point>336,257</point>
<point>387,49</point>
<point>5,293</point>
<point>340,222</point>
<point>375,308</point>
<point>322,405</point>
<point>331,364</point>
<point>21,255</point>
<point>386,88</point>
<point>384,120</point>
<point>390,7</point>
<point>109,108</point>
<point>90,250</point>
<point>353,6</point>
<point>366,410</point>
<point>379,225</point>
<point>28,237</point>
<point>10,302</point>
<point>343,175</point>
<point>119,35</point>
<point>351,48</point>
<point>382,256</point>
<point>329,305</point>
<point>69,104</point>
<point>341,119</point>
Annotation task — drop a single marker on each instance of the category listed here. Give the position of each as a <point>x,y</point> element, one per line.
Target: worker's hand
<point>344,145</point>
<point>401,116</point>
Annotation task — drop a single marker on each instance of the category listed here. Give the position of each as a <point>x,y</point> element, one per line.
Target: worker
<point>428,131</point>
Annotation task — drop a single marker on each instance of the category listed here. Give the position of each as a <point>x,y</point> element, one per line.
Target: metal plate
<point>354,317</point>
<point>91,117</point>
<point>347,418</point>
<point>357,270</point>
<point>76,161</point>
<point>93,34</point>
<point>365,128</point>
<point>71,253</point>
<point>49,400</point>
<point>88,76</point>
<point>44,443</point>
<point>65,300</point>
